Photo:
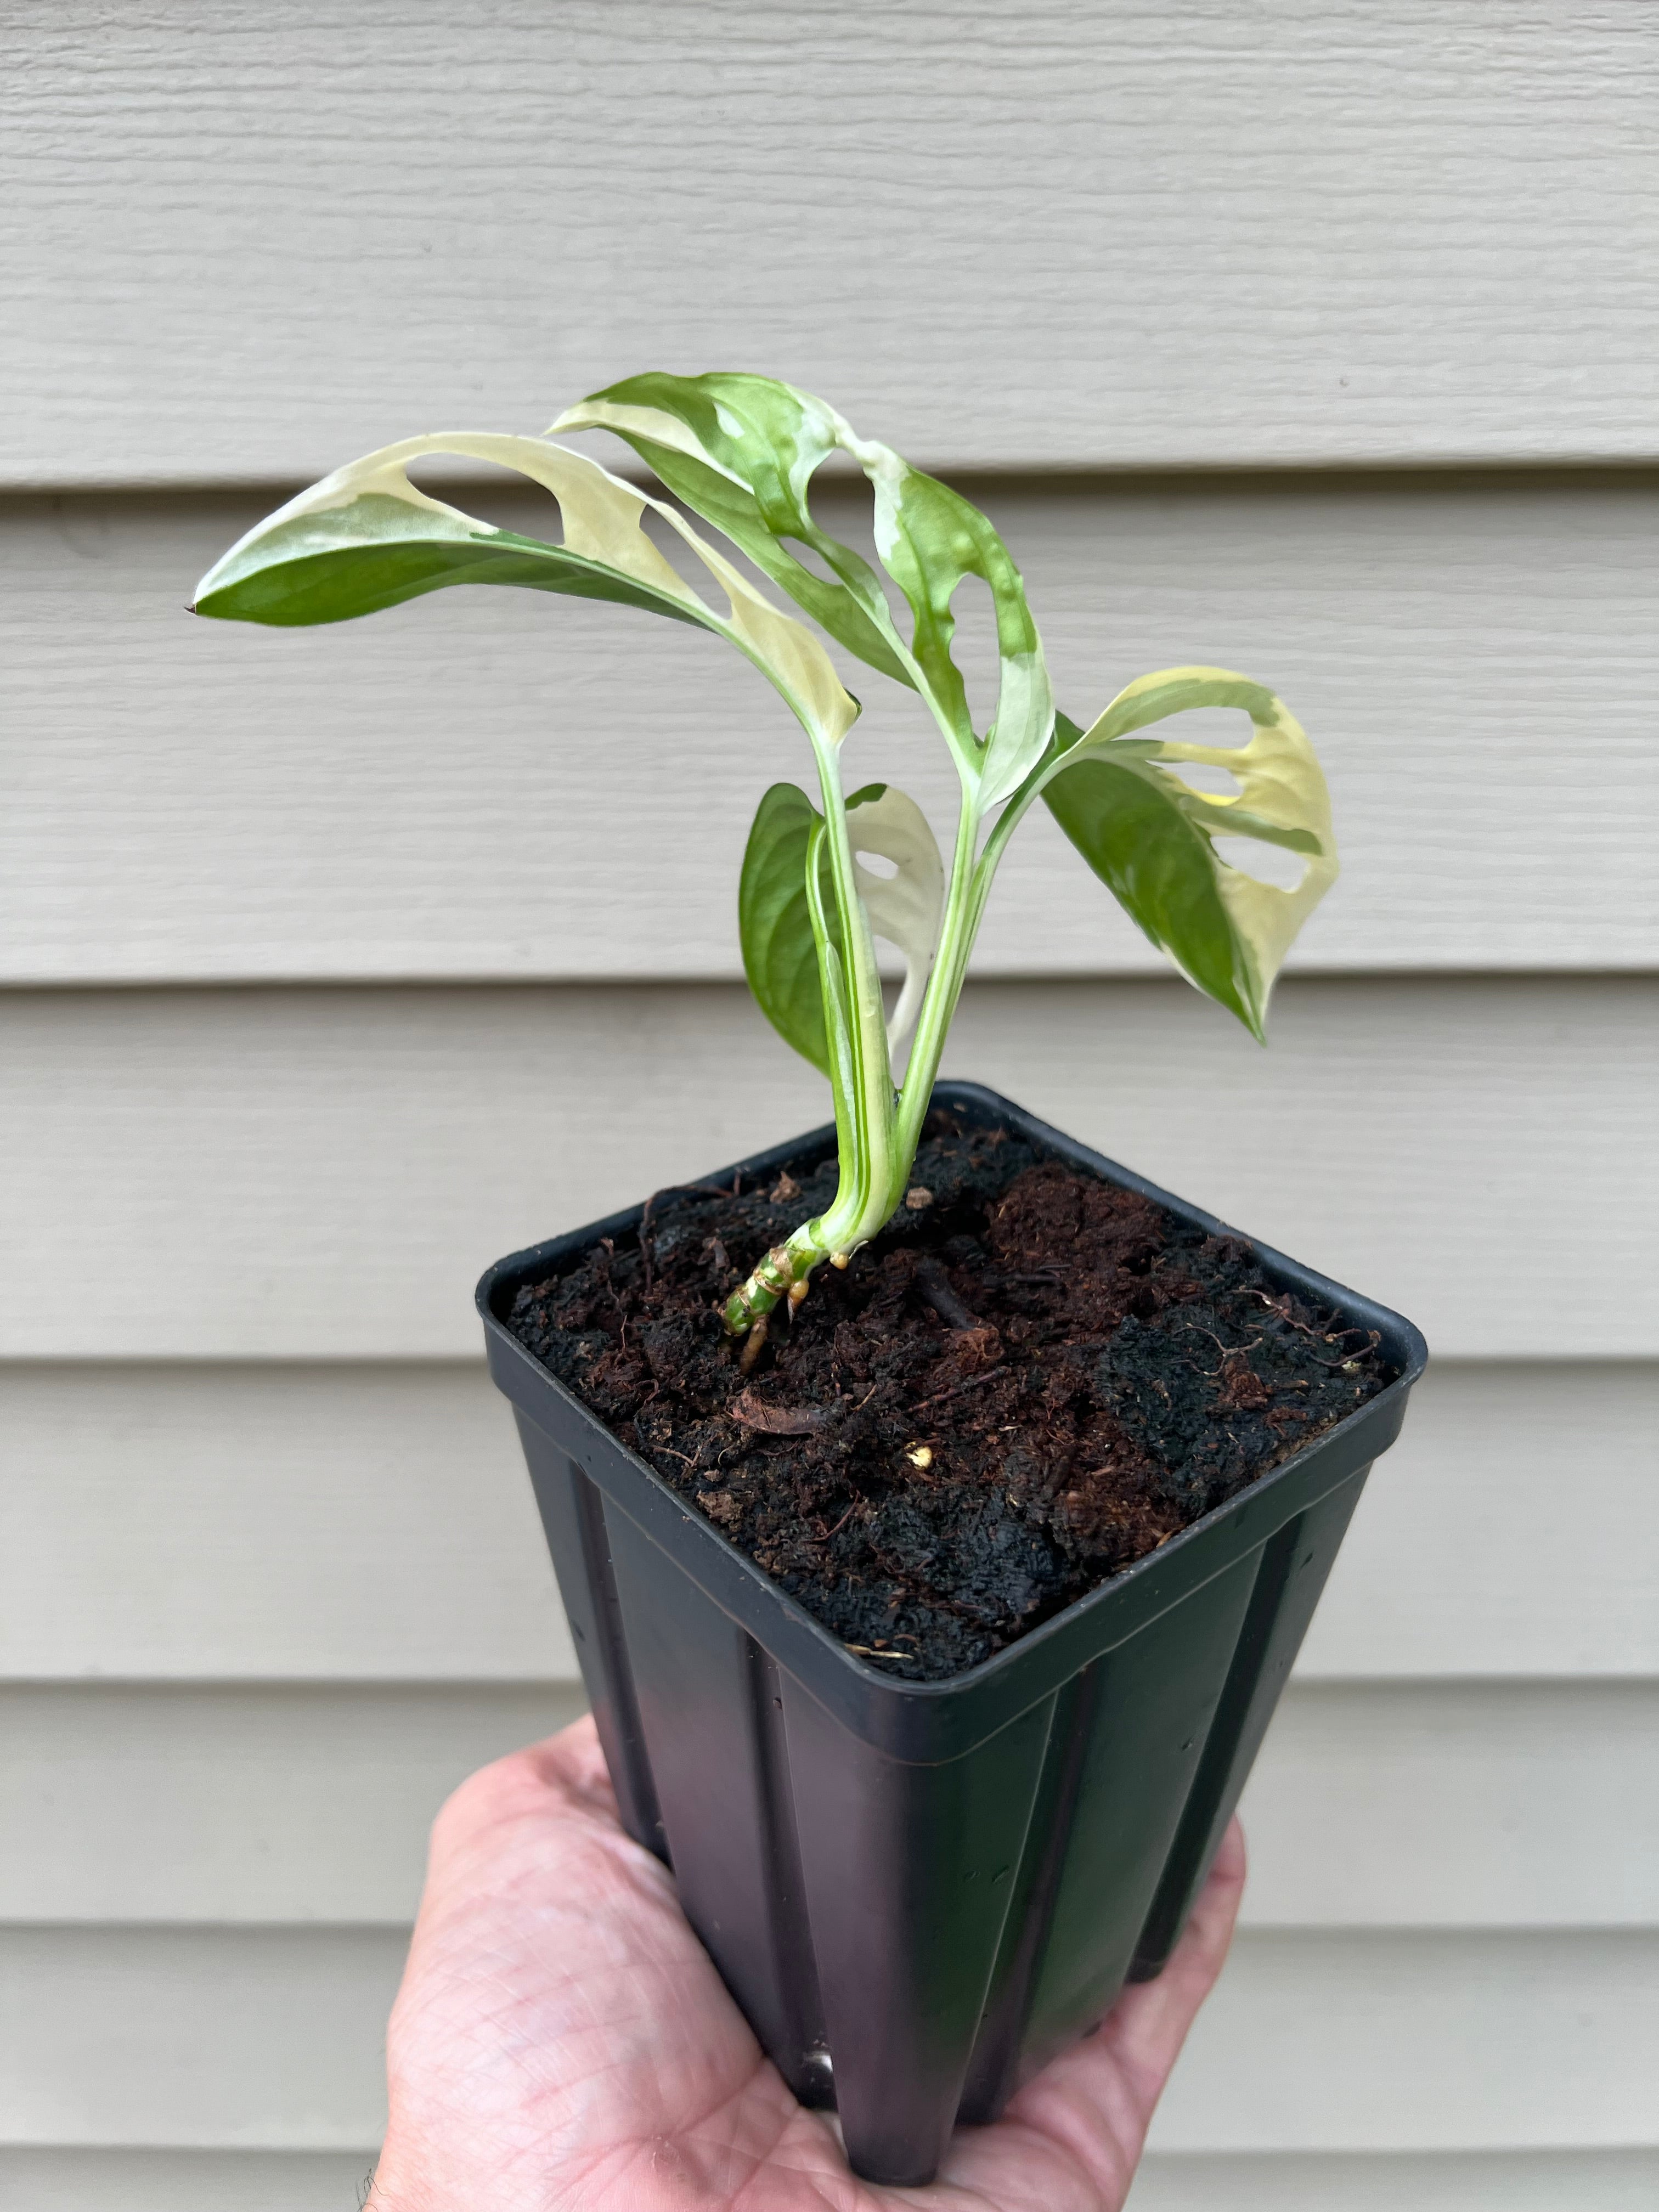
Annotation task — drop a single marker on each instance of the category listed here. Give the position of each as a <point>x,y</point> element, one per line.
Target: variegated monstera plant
<point>740,453</point>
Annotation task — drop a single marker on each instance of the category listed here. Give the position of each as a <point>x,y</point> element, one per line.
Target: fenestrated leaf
<point>741,452</point>
<point>904,908</point>
<point>774,922</point>
<point>1149,837</point>
<point>930,538</point>
<point>366,537</point>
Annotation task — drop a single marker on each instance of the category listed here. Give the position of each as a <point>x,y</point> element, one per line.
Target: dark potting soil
<point>1027,1383</point>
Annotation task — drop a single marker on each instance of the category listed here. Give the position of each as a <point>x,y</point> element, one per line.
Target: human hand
<point>561,2043</point>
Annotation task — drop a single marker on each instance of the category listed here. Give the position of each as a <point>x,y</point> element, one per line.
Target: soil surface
<point>1027,1383</point>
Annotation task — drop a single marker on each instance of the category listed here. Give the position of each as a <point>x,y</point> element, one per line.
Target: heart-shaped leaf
<point>366,537</point>
<point>1149,837</point>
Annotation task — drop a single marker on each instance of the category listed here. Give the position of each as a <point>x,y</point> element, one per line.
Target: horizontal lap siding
<point>1067,235</point>
<point>1328,2040</point>
<point>271,1578</point>
<point>481,785</point>
<point>1439,1805</point>
<point>324,1174</point>
<point>1427,2041</point>
<point>1466,2181</point>
<point>260,1523</point>
<point>61,2180</point>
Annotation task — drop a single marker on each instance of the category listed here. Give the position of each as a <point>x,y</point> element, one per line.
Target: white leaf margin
<point>603,523</point>
<point>906,909</point>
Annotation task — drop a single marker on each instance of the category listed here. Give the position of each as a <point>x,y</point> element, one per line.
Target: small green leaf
<point>1149,837</point>
<point>775,920</point>
<point>366,537</point>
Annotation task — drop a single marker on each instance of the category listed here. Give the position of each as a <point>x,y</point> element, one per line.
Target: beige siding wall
<point>326,976</point>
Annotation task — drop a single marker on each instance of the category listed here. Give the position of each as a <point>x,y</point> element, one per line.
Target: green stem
<point>877,1131</point>
<point>939,1003</point>
<point>878,1134</point>
<point>871,1172</point>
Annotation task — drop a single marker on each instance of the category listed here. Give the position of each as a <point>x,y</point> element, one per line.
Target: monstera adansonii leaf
<point>775,911</point>
<point>1149,837</point>
<point>366,537</point>
<point>741,451</point>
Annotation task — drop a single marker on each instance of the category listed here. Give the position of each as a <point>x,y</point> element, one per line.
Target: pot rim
<point>1139,1592</point>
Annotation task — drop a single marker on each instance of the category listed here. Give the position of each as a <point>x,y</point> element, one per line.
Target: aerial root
<point>753,1345</point>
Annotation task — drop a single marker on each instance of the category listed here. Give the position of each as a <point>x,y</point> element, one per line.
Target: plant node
<point>773,1279</point>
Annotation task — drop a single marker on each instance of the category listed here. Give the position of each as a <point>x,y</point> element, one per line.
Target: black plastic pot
<point>919,1894</point>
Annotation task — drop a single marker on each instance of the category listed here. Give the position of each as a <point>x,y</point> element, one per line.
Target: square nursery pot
<point>921,1892</point>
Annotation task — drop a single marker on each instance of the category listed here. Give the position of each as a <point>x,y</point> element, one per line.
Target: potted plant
<point>929,1637</point>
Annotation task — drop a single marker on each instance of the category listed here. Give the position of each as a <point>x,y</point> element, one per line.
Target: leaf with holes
<point>774,920</point>
<point>366,537</point>
<point>930,540</point>
<point>1149,837</point>
<point>741,452</point>
<point>907,907</point>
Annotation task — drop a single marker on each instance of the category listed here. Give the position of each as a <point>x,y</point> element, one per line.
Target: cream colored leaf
<point>373,501</point>
<point>1281,785</point>
<point>904,908</point>
<point>654,424</point>
<point>1151,836</point>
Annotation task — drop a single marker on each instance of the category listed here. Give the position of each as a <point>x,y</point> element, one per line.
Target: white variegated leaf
<point>930,538</point>
<point>1283,787</point>
<point>367,537</point>
<point>1151,836</point>
<point>741,452</point>
<point>904,908</point>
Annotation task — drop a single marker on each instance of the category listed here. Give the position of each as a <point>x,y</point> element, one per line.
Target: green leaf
<point>741,452</point>
<point>930,538</point>
<point>775,920</point>
<point>1149,837</point>
<point>366,537</point>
